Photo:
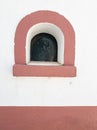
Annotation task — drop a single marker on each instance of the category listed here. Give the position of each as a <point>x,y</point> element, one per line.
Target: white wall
<point>26,91</point>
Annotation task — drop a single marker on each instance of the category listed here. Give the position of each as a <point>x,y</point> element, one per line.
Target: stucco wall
<point>26,91</point>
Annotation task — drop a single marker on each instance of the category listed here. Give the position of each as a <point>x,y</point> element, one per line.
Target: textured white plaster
<point>38,91</point>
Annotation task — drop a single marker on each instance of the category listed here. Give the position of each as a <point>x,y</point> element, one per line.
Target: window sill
<point>45,63</point>
<point>44,71</point>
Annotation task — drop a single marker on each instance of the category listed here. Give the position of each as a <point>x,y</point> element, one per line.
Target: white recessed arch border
<point>50,29</point>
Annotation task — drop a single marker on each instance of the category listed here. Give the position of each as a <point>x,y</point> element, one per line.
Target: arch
<point>20,45</point>
<point>50,29</point>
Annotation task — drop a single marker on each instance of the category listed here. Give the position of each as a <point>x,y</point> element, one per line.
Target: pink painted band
<point>48,118</point>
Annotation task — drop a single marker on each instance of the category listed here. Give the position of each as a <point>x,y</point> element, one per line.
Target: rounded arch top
<point>44,17</point>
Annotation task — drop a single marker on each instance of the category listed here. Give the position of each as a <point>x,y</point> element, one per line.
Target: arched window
<point>44,46</point>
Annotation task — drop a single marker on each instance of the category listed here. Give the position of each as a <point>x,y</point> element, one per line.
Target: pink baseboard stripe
<point>48,118</point>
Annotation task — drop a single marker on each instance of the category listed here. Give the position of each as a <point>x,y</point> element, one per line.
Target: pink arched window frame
<point>22,69</point>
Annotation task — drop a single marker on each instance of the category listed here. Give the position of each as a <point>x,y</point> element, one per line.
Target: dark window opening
<point>43,48</point>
